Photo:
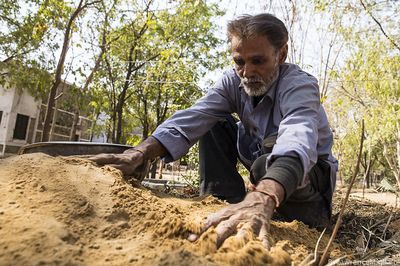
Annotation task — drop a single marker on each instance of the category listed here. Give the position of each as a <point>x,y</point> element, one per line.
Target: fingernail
<point>192,237</point>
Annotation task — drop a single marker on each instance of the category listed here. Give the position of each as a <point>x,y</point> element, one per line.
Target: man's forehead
<point>235,40</point>
<point>257,46</point>
<point>252,52</point>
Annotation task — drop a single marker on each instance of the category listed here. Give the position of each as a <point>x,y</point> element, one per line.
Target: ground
<point>67,211</point>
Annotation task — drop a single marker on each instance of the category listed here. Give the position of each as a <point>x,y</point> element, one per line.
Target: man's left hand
<point>256,210</point>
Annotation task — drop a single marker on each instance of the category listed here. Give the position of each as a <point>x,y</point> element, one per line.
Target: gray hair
<point>248,26</point>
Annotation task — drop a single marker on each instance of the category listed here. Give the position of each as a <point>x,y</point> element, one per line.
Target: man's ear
<point>283,54</point>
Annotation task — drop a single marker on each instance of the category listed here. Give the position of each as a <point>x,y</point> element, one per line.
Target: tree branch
<point>148,59</point>
<point>380,26</point>
<point>103,48</point>
<point>90,4</point>
<point>10,21</point>
<point>16,54</point>
<point>352,97</point>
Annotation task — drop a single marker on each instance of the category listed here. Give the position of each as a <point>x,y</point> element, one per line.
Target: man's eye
<point>239,62</point>
<point>257,61</point>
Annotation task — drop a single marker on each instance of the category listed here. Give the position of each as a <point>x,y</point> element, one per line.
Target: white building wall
<point>12,103</point>
<point>6,103</point>
<point>24,104</point>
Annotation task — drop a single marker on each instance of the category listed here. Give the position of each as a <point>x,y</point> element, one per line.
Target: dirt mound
<point>69,212</point>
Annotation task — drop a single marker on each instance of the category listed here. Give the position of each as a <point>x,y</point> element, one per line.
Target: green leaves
<point>141,63</point>
<point>365,85</point>
<point>153,65</point>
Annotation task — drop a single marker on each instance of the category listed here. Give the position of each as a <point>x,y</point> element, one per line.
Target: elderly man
<point>283,136</point>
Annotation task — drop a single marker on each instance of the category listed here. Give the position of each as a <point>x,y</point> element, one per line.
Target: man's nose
<point>248,71</point>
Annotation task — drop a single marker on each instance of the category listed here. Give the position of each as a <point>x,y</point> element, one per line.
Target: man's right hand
<point>133,162</point>
<point>130,163</point>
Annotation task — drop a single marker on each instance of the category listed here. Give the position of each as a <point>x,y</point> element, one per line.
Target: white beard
<point>253,91</point>
<point>258,87</point>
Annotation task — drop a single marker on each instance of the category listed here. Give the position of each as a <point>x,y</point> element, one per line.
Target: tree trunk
<point>367,175</point>
<point>59,70</point>
<point>74,127</point>
<point>122,96</point>
<point>119,122</point>
<point>49,112</point>
<point>92,127</point>
<point>113,126</point>
<point>145,123</point>
<point>160,169</point>
<point>398,155</point>
<point>54,122</point>
<point>393,165</point>
<point>153,170</point>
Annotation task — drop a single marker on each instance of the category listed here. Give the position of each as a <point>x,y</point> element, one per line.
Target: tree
<point>60,66</point>
<point>366,86</point>
<point>158,52</point>
<point>30,46</point>
<point>23,34</point>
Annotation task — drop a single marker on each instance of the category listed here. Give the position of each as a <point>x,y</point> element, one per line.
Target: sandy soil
<point>65,211</point>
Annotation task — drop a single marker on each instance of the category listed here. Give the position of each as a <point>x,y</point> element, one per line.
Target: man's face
<point>256,62</point>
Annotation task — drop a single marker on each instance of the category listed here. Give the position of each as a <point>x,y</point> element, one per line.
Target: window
<point>21,125</point>
<point>1,116</point>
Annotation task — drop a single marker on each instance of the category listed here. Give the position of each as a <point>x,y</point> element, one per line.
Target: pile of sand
<point>69,212</point>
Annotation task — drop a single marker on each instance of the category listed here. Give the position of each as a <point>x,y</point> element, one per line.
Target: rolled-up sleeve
<point>298,131</point>
<point>185,127</point>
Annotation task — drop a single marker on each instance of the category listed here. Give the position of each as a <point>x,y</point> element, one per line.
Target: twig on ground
<point>324,257</point>
<point>307,261</point>
<point>380,222</point>
<point>311,259</point>
<point>386,226</point>
<point>373,234</point>
<point>188,182</point>
<point>369,239</point>
<point>373,254</point>
<point>316,247</point>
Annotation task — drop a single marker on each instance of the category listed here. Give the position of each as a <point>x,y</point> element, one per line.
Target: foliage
<point>155,60</point>
<point>25,27</point>
<point>146,57</point>
<point>33,77</point>
<point>367,86</point>
<point>29,47</point>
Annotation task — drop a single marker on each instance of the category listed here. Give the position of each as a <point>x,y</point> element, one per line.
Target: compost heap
<point>67,211</point>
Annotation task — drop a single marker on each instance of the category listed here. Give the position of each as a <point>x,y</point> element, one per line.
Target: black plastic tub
<point>67,148</point>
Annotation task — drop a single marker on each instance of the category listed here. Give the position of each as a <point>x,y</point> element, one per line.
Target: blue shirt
<point>291,110</point>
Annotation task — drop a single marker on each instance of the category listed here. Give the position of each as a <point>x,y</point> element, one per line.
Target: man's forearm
<point>152,148</point>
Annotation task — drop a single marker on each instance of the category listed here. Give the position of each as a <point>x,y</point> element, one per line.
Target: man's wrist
<point>270,194</point>
<point>151,148</point>
<point>272,188</point>
<point>140,151</point>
